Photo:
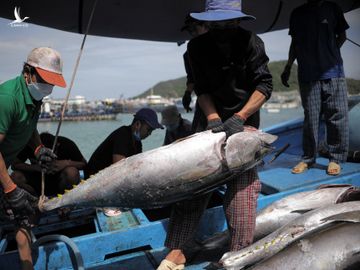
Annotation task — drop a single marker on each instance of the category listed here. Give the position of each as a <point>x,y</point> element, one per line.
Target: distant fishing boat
<point>77,117</point>
<point>273,110</point>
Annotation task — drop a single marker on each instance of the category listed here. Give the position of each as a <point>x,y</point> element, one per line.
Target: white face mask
<point>39,90</point>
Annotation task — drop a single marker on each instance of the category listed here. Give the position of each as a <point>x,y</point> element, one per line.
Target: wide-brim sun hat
<point>222,10</point>
<point>48,65</point>
<point>149,116</point>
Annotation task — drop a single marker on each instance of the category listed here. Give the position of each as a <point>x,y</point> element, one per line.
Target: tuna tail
<point>351,194</point>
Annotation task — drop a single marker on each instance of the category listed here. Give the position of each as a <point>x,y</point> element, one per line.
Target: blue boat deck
<point>134,240</point>
<point>277,176</point>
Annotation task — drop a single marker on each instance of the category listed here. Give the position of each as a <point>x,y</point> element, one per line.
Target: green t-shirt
<point>18,117</point>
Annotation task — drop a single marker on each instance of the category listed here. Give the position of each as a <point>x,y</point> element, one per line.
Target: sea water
<point>89,134</point>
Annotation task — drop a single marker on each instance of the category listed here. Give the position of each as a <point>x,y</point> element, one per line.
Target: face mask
<point>137,135</point>
<point>40,90</point>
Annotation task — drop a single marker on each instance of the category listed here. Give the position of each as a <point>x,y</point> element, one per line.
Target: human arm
<point>117,157</point>
<point>186,99</point>
<point>340,39</point>
<point>69,155</point>
<point>59,165</point>
<point>340,26</point>
<point>207,106</point>
<point>21,202</point>
<point>34,141</point>
<point>287,69</point>
<point>7,184</point>
<point>236,122</point>
<point>260,78</point>
<point>257,99</point>
<point>19,165</point>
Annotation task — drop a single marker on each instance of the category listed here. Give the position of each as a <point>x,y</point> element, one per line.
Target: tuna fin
<point>351,194</point>
<point>352,216</point>
<point>82,181</point>
<point>59,195</point>
<point>302,211</point>
<point>66,190</point>
<point>74,186</point>
<point>333,186</point>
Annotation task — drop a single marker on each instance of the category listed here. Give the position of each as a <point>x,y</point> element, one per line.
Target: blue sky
<point>110,68</point>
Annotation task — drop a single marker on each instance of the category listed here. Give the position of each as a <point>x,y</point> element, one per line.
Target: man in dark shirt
<point>60,175</point>
<point>318,29</point>
<point>232,81</point>
<point>123,142</point>
<point>176,126</point>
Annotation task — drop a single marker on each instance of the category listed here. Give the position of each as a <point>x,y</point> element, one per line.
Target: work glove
<point>285,75</point>
<point>231,126</point>
<point>213,123</point>
<point>186,100</point>
<point>23,205</point>
<point>44,156</point>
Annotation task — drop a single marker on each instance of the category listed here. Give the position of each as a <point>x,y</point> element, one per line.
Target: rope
<point>43,197</point>
<point>74,251</point>
<point>353,42</point>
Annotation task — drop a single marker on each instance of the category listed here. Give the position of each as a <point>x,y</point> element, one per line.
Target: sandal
<point>300,167</point>
<point>333,168</point>
<point>168,265</point>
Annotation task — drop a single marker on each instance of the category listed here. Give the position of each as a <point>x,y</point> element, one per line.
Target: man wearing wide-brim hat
<point>232,81</point>
<point>20,102</point>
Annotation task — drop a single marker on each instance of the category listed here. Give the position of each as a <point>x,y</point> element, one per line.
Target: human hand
<point>22,204</point>
<point>213,123</point>
<point>44,155</point>
<point>285,75</point>
<point>186,100</point>
<point>231,126</point>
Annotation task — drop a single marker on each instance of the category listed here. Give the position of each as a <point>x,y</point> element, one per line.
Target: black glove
<point>186,100</point>
<point>285,75</point>
<point>44,156</point>
<point>23,205</point>
<point>214,123</point>
<point>231,126</point>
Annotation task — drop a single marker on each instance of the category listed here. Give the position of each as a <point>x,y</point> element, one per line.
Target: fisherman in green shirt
<point>20,102</point>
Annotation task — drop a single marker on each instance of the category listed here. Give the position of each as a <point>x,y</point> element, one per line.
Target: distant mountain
<point>169,89</point>
<point>175,88</point>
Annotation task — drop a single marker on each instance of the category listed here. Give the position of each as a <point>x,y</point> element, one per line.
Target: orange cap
<point>48,65</point>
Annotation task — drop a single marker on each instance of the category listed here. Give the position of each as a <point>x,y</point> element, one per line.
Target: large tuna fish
<point>288,208</point>
<point>302,226</point>
<point>335,248</point>
<point>170,173</point>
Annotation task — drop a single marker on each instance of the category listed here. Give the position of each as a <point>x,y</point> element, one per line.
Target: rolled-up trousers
<point>240,202</point>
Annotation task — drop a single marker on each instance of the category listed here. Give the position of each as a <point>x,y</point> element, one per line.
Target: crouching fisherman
<point>20,102</point>
<point>123,142</point>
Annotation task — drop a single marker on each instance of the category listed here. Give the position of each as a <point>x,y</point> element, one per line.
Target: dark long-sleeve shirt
<point>230,67</point>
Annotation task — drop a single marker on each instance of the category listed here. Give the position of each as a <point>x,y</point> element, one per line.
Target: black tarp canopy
<point>158,20</point>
